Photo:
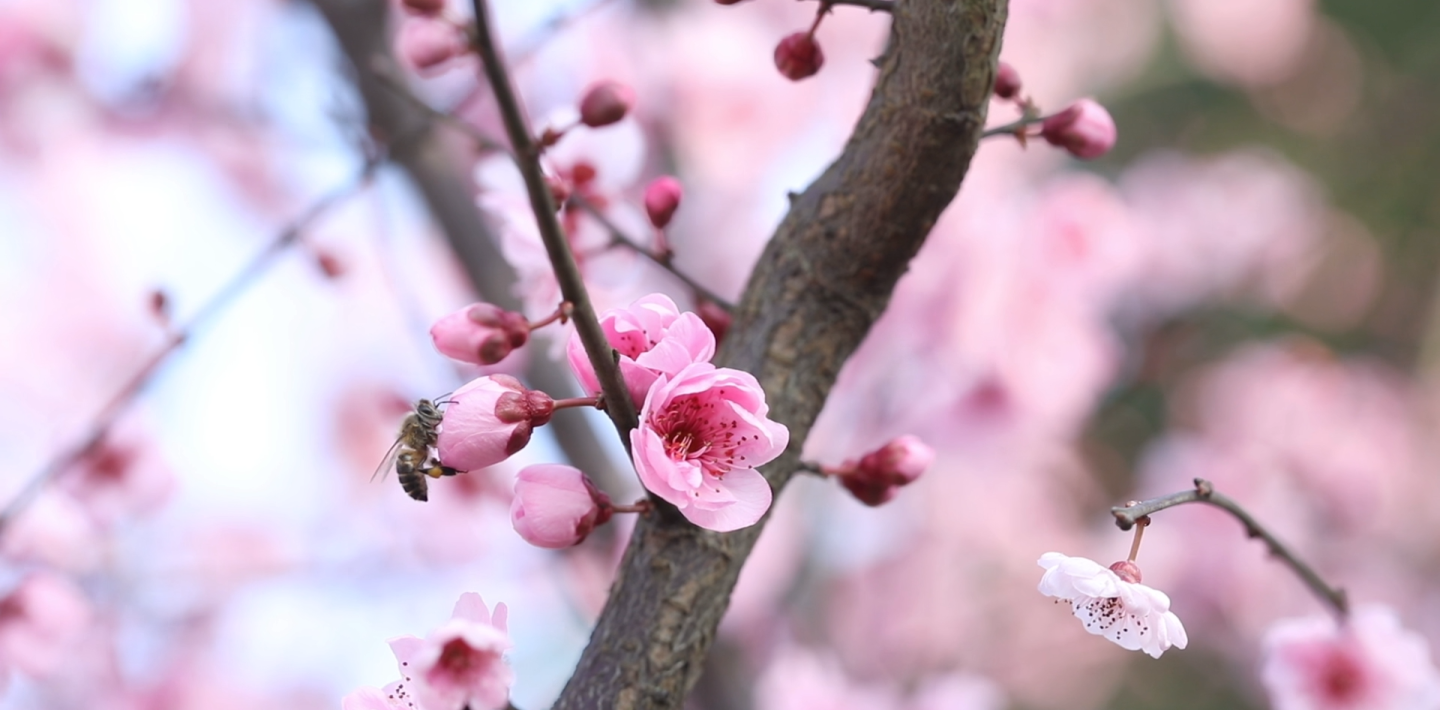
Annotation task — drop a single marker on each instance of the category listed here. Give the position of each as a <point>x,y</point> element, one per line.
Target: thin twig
<point>105,420</point>
<point>1010,129</point>
<point>572,286</point>
<point>620,238</point>
<point>872,5</point>
<point>1204,492</point>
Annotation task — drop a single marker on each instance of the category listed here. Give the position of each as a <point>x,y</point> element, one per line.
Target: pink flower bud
<point>1007,81</point>
<point>480,334</point>
<point>424,7</point>
<point>662,197</point>
<point>876,476</point>
<point>605,103</point>
<point>1085,129</point>
<point>1126,570</point>
<point>425,43</point>
<point>798,56</point>
<point>556,506</point>
<point>488,420</point>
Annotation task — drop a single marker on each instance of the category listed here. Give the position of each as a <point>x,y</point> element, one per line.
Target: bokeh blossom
<point>1370,663</point>
<point>1132,615</point>
<point>459,664</point>
<point>702,433</point>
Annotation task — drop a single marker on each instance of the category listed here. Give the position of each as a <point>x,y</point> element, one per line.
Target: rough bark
<point>824,279</point>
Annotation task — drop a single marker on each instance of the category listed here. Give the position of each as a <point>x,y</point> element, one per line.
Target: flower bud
<point>1085,129</point>
<point>488,420</point>
<point>798,56</point>
<point>662,198</point>
<point>556,506</point>
<point>424,7</point>
<point>605,103</point>
<point>425,43</point>
<point>876,476</point>
<point>1007,81</point>
<point>480,334</point>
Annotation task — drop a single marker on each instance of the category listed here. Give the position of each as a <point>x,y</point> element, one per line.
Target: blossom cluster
<point>703,429</point>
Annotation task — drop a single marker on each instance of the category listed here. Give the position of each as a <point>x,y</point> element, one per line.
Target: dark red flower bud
<point>1007,81</point>
<point>798,56</point>
<point>605,103</point>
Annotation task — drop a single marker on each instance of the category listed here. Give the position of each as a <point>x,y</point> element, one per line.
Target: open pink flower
<point>556,506</point>
<point>459,664</point>
<point>488,420</point>
<point>1133,616</point>
<point>653,338</point>
<point>702,433</point>
<point>480,333</point>
<point>1372,663</point>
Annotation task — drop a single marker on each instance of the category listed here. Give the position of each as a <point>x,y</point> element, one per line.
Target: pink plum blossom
<point>875,478</point>
<point>121,477</point>
<point>1132,615</point>
<point>41,622</point>
<point>459,664</point>
<point>1370,663</point>
<point>556,506</point>
<point>488,420</point>
<point>480,333</point>
<point>653,338</point>
<point>702,432</point>
<point>1084,128</point>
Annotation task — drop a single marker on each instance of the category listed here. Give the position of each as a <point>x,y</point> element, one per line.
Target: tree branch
<point>1204,492</point>
<point>431,162</point>
<point>823,280</point>
<point>557,246</point>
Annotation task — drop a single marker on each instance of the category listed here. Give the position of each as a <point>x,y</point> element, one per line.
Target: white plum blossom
<point>1132,615</point>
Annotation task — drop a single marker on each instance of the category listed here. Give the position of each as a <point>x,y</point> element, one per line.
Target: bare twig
<point>617,397</point>
<point>619,238</point>
<point>385,75</point>
<point>1204,492</point>
<point>873,5</point>
<point>105,419</point>
<point>551,27</point>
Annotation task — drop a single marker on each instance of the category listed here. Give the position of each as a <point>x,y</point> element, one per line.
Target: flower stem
<point>1130,515</point>
<point>561,314</point>
<point>1140,525</point>
<point>639,506</point>
<point>542,203</point>
<point>570,402</point>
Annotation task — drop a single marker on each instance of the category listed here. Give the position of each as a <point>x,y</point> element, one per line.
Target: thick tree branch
<point>824,279</point>
<point>430,160</point>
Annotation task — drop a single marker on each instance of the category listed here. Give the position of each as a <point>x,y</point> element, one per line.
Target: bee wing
<point>387,463</point>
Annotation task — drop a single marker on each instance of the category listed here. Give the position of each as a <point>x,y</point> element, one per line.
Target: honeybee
<point>410,453</point>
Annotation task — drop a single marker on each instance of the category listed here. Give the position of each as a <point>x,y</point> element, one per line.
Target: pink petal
<point>752,498</point>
